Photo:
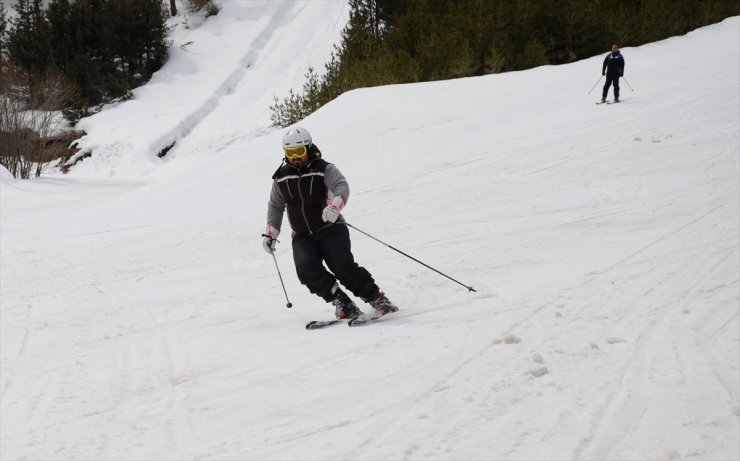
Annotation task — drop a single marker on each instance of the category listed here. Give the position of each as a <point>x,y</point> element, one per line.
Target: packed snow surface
<point>141,319</point>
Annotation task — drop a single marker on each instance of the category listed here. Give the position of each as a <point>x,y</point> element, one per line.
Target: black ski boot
<point>383,305</point>
<point>344,308</point>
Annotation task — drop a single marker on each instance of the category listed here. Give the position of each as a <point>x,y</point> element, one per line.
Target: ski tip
<point>316,324</point>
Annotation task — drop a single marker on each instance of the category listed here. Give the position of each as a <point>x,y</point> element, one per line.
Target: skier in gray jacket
<point>314,192</point>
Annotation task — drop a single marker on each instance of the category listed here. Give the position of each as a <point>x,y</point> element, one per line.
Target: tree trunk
<point>173,8</point>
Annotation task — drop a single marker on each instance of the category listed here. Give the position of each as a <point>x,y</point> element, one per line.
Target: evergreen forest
<point>98,50</point>
<point>73,57</point>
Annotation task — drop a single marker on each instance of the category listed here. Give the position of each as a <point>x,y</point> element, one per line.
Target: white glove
<point>270,239</point>
<point>331,212</point>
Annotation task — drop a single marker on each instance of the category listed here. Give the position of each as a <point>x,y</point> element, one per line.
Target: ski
<point>365,319</point>
<point>355,322</point>
<point>614,102</point>
<point>316,324</point>
<point>601,102</point>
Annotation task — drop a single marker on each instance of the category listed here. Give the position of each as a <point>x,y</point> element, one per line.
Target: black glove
<point>603,73</point>
<point>621,74</point>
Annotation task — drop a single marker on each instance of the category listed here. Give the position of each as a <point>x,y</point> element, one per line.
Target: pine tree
<point>3,33</point>
<point>107,47</point>
<point>30,39</point>
<point>59,16</point>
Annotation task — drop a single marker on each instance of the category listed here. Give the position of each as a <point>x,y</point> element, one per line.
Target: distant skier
<point>315,192</point>
<point>613,68</point>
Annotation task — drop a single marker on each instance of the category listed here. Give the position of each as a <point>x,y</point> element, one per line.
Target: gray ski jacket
<point>304,192</point>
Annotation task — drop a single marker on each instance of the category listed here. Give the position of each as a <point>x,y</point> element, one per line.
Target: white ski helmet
<point>296,137</point>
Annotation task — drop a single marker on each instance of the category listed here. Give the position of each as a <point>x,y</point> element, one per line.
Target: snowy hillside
<point>141,319</point>
<point>217,87</point>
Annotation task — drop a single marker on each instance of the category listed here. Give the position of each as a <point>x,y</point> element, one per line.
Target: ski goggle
<point>295,152</point>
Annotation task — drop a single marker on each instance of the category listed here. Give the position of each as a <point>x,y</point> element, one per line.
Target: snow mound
<point>6,176</point>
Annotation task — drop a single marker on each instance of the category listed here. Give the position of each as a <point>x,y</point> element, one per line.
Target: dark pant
<point>332,246</point>
<point>609,80</point>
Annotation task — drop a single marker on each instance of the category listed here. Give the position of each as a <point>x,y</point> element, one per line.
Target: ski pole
<point>628,83</point>
<point>289,305</point>
<point>597,82</point>
<point>410,257</point>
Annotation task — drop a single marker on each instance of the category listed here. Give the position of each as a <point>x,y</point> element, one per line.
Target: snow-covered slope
<point>217,87</point>
<point>141,320</point>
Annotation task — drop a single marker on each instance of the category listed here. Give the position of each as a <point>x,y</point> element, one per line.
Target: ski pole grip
<point>271,237</point>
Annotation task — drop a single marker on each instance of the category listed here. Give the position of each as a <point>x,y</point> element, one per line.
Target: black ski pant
<point>331,245</point>
<point>609,80</point>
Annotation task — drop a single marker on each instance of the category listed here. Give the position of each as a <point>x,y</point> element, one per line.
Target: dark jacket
<point>305,192</point>
<point>613,64</point>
